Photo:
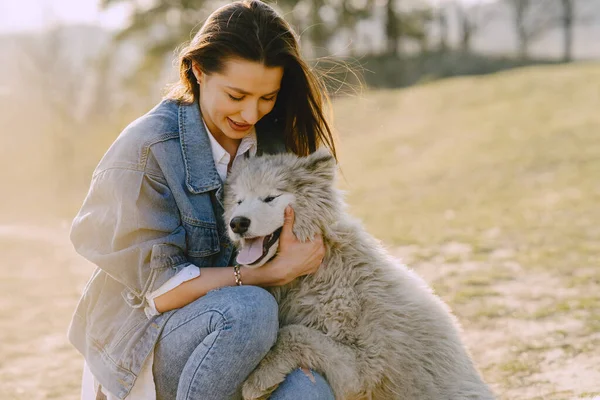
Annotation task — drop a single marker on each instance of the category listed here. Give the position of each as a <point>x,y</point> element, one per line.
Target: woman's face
<point>236,98</point>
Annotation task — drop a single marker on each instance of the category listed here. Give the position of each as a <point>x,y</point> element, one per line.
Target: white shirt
<point>144,387</point>
<point>222,157</point>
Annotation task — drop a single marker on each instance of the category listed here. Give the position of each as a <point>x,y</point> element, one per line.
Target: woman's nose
<point>251,114</point>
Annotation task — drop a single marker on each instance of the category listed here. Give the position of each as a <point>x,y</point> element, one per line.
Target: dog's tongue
<point>252,250</point>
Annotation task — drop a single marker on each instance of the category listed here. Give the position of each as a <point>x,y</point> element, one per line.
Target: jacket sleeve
<point>129,226</point>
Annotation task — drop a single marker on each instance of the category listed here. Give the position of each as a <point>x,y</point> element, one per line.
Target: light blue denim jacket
<point>154,205</point>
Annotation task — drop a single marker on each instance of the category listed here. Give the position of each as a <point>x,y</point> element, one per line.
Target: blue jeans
<point>209,347</point>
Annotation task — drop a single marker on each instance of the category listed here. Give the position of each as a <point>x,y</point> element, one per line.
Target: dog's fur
<point>370,325</point>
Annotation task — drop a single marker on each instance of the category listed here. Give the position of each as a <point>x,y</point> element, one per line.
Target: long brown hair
<point>252,30</point>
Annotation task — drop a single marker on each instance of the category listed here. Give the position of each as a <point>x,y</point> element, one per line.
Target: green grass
<point>468,294</point>
<point>588,305</point>
<point>487,277</point>
<point>493,311</point>
<point>519,367</point>
<point>589,395</point>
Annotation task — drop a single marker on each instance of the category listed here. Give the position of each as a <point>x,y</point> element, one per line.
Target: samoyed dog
<point>368,324</point>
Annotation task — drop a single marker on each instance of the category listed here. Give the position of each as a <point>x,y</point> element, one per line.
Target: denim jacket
<point>154,205</point>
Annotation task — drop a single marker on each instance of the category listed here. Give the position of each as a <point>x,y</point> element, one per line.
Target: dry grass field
<point>489,187</point>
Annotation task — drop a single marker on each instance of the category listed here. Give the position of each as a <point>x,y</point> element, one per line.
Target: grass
<point>589,395</point>
<point>571,306</point>
<point>493,311</point>
<point>469,294</point>
<point>507,166</point>
<point>516,153</point>
<point>518,367</point>
<point>487,277</point>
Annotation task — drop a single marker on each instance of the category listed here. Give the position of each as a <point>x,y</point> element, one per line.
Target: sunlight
<point>33,15</point>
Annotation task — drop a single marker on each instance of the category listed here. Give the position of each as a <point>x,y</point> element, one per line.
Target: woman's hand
<point>294,258</point>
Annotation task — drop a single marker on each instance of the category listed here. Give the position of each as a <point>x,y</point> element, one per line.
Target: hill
<point>516,153</point>
<point>488,188</point>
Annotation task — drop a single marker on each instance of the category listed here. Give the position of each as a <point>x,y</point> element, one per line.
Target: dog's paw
<point>260,384</point>
<point>250,392</point>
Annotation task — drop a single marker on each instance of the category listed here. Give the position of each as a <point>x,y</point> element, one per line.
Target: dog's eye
<point>239,202</point>
<point>270,199</point>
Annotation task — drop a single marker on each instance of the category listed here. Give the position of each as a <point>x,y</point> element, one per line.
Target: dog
<point>367,323</point>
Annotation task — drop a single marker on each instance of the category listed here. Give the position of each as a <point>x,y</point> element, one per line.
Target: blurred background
<point>469,133</point>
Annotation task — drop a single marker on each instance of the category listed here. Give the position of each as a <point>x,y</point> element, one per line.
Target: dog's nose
<point>239,224</point>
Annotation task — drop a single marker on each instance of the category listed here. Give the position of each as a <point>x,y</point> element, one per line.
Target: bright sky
<point>24,15</point>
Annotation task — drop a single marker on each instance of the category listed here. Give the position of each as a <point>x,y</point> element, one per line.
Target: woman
<point>157,319</point>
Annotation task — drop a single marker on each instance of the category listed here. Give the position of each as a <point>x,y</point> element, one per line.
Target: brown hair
<point>252,30</point>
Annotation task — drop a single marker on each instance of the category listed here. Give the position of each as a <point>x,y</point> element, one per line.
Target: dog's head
<point>259,189</point>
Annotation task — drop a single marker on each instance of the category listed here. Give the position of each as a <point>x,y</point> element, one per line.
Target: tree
<point>532,19</point>
<point>320,20</point>
<point>414,24</point>
<point>159,29</point>
<point>443,29</point>
<point>59,74</point>
<point>407,23</point>
<point>567,19</point>
<point>471,19</point>
<point>575,13</point>
<point>392,28</point>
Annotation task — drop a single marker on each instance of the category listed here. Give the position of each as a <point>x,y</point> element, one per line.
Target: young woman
<point>167,314</point>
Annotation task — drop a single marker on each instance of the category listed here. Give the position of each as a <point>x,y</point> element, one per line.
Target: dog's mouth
<point>254,250</point>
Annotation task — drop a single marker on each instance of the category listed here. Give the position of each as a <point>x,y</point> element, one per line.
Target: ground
<point>531,334</point>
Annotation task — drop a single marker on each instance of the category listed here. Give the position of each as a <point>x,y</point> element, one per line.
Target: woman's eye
<point>235,98</point>
<point>270,199</point>
<point>269,98</point>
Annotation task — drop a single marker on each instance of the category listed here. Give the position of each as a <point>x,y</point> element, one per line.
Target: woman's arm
<point>129,227</point>
<point>209,279</point>
<point>293,260</point>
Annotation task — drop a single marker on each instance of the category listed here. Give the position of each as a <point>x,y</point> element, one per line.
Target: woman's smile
<point>239,127</point>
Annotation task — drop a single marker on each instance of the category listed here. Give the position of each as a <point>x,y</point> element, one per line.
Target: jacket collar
<point>200,172</point>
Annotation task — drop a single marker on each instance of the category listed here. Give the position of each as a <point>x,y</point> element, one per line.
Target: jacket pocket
<point>107,313</point>
<point>130,326</point>
<point>202,238</point>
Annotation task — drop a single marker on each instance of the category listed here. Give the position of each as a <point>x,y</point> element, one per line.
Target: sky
<point>27,15</point>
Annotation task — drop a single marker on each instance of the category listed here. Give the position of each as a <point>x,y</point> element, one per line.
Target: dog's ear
<point>321,163</point>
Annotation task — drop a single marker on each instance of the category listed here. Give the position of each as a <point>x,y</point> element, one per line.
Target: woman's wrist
<point>266,275</point>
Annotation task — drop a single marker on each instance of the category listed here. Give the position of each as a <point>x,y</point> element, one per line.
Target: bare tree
<point>567,19</point>
<point>407,23</point>
<point>443,30</point>
<point>471,19</point>
<point>71,91</point>
<point>158,27</point>
<point>392,28</point>
<point>532,19</point>
<point>49,67</point>
<point>318,32</point>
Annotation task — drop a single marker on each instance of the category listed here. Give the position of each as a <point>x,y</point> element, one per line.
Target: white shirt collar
<point>221,157</point>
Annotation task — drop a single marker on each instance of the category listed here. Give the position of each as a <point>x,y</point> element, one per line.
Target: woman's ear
<point>197,72</point>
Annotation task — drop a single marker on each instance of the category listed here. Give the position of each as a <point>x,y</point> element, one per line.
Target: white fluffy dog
<point>371,326</point>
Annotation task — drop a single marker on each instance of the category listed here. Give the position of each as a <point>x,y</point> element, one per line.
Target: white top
<point>144,388</point>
